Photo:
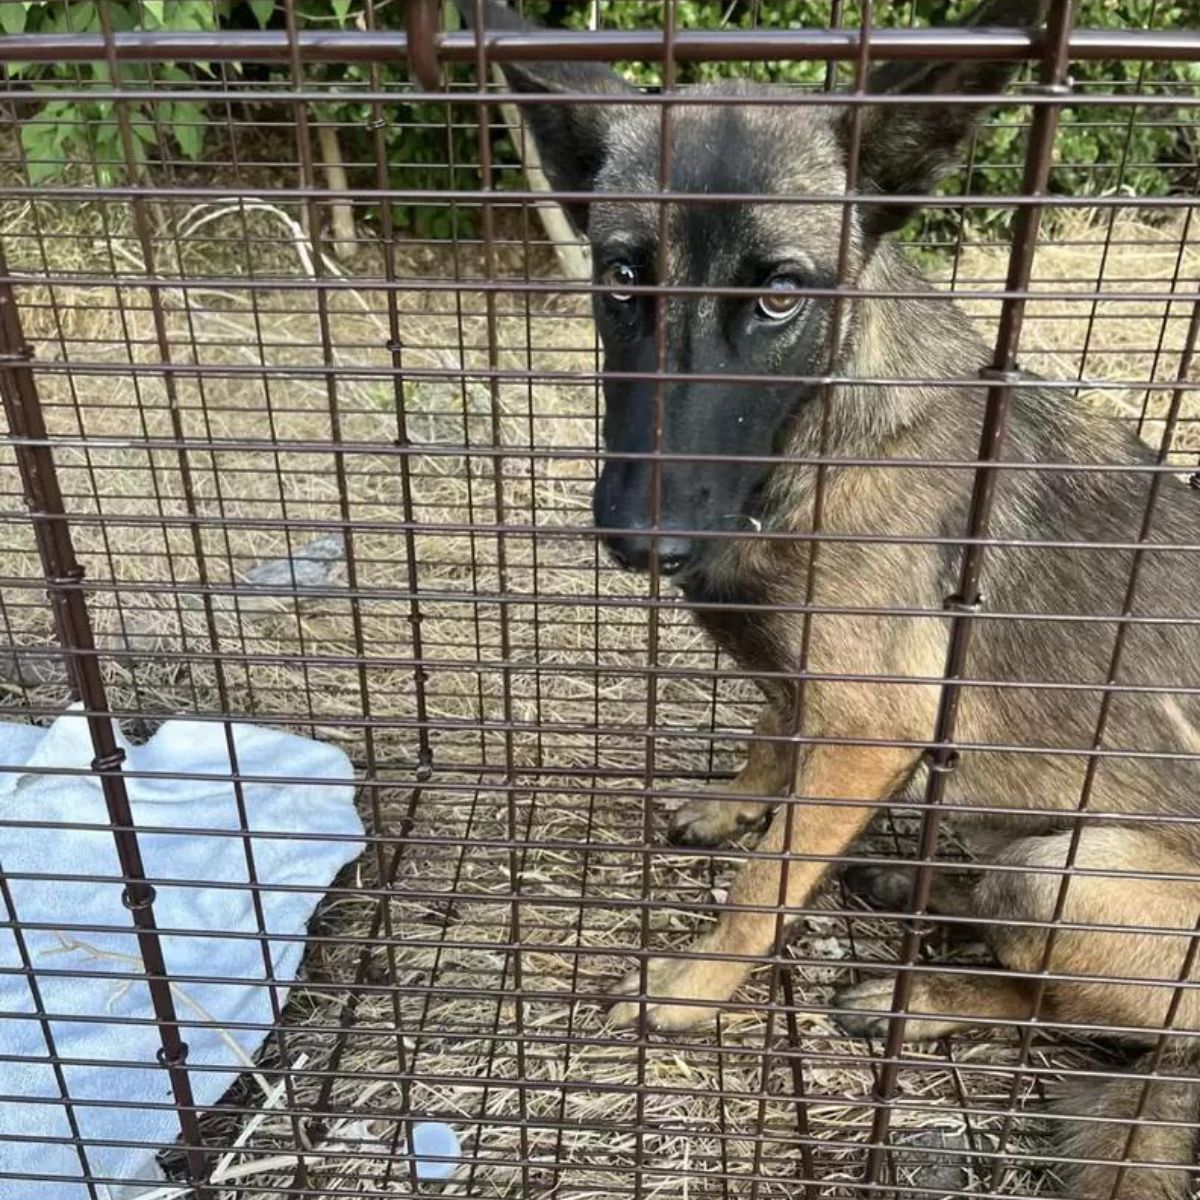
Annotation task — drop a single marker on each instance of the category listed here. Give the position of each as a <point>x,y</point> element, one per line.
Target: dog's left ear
<point>573,139</point>
<point>905,149</point>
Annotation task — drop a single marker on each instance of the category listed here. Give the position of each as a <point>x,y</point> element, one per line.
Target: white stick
<point>574,255</point>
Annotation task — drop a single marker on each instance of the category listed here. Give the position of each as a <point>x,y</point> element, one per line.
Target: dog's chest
<point>738,614</point>
<point>751,638</point>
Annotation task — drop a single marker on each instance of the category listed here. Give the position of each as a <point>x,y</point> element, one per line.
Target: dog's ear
<point>905,149</point>
<point>572,139</point>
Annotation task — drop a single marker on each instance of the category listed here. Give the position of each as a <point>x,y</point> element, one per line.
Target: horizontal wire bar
<point>281,194</point>
<point>602,45</point>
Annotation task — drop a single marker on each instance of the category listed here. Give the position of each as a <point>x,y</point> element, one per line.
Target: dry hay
<point>519,860</point>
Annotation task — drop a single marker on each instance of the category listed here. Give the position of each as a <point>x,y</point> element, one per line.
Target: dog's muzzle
<point>634,551</point>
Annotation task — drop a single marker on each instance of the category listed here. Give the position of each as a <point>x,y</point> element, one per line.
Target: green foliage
<point>1148,150</point>
<point>67,131</point>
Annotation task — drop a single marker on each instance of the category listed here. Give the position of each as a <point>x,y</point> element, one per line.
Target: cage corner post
<point>33,452</point>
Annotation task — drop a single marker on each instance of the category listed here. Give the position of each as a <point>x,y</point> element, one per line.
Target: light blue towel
<point>320,808</point>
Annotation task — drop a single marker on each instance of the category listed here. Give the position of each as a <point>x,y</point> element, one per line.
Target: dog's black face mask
<point>745,325</point>
<point>711,435</point>
<point>730,392</point>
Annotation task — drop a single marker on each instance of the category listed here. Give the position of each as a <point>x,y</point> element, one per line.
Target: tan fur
<point>707,821</point>
<point>1189,735</point>
<point>939,1004</point>
<point>819,833</point>
<point>1163,1132</point>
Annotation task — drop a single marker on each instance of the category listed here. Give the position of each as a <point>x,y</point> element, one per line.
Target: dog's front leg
<point>680,990</point>
<point>709,821</point>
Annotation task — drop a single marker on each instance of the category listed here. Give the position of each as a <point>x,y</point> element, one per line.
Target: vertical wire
<point>791,799</point>
<point>662,307</point>
<point>499,501</point>
<point>402,1134</point>
<point>1001,376</point>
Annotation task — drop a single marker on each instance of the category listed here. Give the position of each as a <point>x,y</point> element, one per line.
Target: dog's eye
<point>619,275</point>
<point>783,301</point>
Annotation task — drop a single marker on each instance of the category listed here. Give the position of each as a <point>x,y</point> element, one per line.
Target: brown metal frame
<point>64,508</point>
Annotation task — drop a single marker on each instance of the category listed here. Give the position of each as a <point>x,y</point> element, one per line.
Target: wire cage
<point>305,412</point>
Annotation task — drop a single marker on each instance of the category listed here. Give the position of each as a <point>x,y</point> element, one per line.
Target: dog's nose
<point>634,551</point>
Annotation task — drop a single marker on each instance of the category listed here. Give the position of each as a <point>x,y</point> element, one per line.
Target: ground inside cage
<point>488,673</point>
<point>478,978</point>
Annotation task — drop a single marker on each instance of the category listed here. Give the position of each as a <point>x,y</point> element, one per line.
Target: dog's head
<point>786,251</point>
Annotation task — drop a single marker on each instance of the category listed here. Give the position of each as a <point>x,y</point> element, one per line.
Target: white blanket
<point>315,811</point>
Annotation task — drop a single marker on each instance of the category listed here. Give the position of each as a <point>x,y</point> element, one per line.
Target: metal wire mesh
<point>297,436</point>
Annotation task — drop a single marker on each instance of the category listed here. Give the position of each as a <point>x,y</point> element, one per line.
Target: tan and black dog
<point>919,334</point>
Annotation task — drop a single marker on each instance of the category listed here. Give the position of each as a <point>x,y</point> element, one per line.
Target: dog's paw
<point>676,989</point>
<point>865,1010</point>
<point>705,822</point>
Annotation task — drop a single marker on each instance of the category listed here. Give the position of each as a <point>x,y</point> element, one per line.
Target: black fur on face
<point>698,428</point>
<point>701,426</point>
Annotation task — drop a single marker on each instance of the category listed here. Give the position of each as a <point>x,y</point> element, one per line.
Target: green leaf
<point>123,19</point>
<point>187,125</point>
<point>45,145</point>
<point>262,10</point>
<point>35,139</point>
<point>156,9</point>
<point>192,14</point>
<point>83,18</point>
<point>12,18</point>
<point>62,110</point>
<point>341,9</point>
<point>40,170</point>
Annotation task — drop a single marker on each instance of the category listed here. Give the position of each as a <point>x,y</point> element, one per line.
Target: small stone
<point>314,564</point>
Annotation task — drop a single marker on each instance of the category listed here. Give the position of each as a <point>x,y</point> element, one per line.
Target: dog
<point>859,743</point>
